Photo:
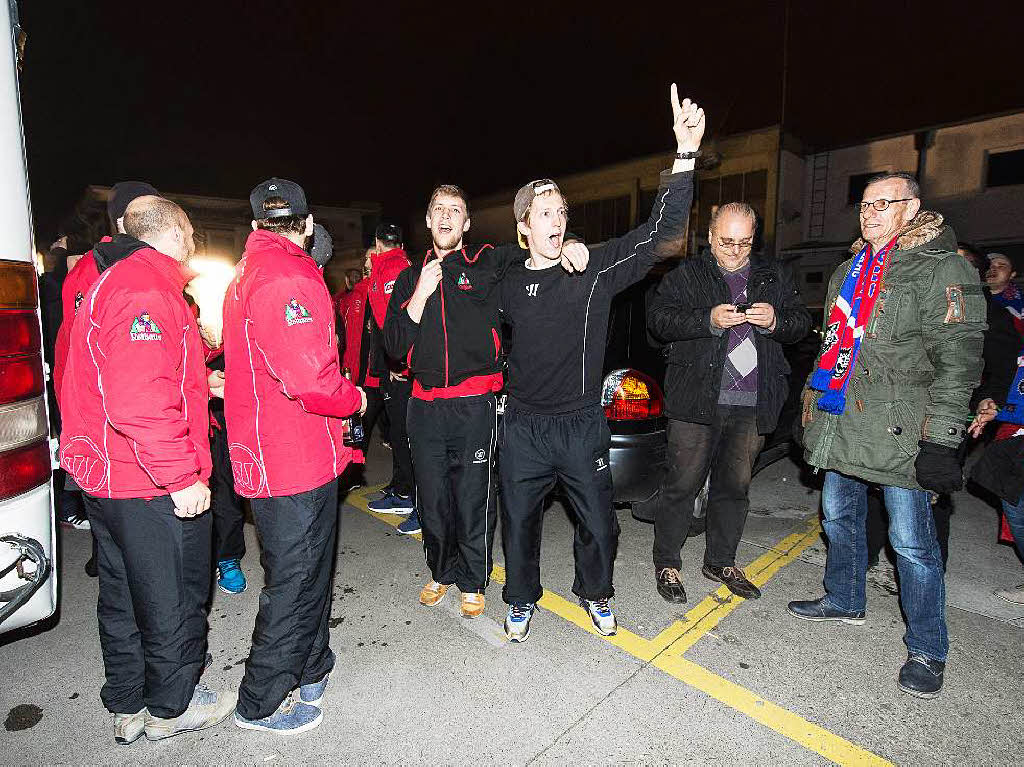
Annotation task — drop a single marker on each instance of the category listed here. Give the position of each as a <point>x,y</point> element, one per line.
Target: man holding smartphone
<point>724,316</point>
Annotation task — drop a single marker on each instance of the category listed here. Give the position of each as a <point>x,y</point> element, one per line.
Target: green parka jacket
<point>919,362</point>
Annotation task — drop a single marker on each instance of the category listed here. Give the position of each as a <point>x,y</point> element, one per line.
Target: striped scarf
<point>845,329</point>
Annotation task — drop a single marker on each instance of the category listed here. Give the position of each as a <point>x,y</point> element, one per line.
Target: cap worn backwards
<point>287,190</point>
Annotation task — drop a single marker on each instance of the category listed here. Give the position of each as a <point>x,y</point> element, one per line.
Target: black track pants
<point>225,503</point>
<point>452,451</point>
<point>290,644</point>
<point>536,452</point>
<point>154,580</point>
<point>396,402</point>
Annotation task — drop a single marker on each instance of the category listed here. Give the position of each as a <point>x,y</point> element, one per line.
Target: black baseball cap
<point>287,190</point>
<point>389,233</point>
<point>122,194</point>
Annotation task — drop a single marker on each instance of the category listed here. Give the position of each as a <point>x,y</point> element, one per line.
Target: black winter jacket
<point>680,316</point>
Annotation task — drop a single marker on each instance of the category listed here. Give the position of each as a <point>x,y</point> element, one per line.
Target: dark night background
<point>380,101</point>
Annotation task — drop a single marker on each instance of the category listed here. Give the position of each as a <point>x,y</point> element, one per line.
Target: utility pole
<point>782,128</point>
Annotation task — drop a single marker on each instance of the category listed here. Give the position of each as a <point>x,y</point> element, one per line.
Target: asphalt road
<point>716,681</point>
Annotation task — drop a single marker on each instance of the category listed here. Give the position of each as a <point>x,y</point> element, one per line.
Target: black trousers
<point>728,448</point>
<point>290,642</point>
<point>536,452</point>
<point>453,451</point>
<point>374,410</point>
<point>154,580</point>
<point>225,503</point>
<point>396,402</point>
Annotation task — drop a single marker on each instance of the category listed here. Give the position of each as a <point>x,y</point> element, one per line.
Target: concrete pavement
<point>718,680</point>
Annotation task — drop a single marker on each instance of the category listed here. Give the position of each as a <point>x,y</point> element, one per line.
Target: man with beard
<point>887,405</point>
<point>443,321</point>
<point>136,442</point>
<point>554,429</point>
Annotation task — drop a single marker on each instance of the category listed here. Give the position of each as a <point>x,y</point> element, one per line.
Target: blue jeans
<point>1015,519</point>
<point>912,535</point>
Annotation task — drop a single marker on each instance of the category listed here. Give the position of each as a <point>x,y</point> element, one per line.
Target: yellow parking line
<point>666,650</point>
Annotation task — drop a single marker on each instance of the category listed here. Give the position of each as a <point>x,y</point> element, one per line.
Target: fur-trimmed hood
<point>921,229</point>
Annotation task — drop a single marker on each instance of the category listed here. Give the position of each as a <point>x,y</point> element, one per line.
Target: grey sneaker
<point>207,708</point>
<point>291,717</point>
<point>601,614</point>
<point>517,621</point>
<point>313,693</point>
<point>128,728</point>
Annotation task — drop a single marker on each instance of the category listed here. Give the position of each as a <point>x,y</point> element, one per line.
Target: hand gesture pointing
<point>687,122</point>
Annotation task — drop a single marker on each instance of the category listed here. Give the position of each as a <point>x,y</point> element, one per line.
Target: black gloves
<point>938,468</point>
<point>323,247</point>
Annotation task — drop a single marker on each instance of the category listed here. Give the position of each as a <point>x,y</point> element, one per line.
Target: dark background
<point>380,101</point>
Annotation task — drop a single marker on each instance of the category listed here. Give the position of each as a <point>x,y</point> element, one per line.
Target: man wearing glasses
<point>724,316</point>
<point>887,404</point>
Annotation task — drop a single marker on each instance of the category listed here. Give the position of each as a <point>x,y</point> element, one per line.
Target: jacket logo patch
<point>464,283</point>
<point>246,470</point>
<point>480,456</point>
<point>82,459</point>
<point>531,290</point>
<point>831,336</point>
<point>601,463</point>
<point>144,328</point>
<point>296,314</point>
<point>389,287</point>
<point>78,300</point>
<point>955,311</point>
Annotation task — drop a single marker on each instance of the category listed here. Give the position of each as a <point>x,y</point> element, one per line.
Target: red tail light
<point>19,332</point>
<point>629,395</point>
<point>24,468</point>
<point>20,378</point>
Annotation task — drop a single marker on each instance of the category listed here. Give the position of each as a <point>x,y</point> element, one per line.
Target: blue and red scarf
<point>1011,298</point>
<point>845,329</point>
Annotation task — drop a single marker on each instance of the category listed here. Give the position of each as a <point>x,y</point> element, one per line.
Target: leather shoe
<point>670,586</point>
<point>821,610</point>
<point>921,676</point>
<point>734,580</point>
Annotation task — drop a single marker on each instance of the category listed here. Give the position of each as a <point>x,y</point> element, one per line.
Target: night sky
<point>382,100</point>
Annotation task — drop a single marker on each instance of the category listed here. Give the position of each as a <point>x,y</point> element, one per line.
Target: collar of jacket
<point>921,229</point>
<point>386,255</point>
<point>263,240</point>
<point>110,250</point>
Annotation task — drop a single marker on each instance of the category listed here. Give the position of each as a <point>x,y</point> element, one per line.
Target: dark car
<point>634,404</point>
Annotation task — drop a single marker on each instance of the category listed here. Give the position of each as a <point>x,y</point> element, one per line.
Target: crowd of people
<point>160,422</point>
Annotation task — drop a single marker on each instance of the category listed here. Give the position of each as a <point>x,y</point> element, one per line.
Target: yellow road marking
<point>666,650</point>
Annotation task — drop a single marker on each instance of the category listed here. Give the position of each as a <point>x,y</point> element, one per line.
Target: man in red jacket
<point>135,441</point>
<point>284,400</point>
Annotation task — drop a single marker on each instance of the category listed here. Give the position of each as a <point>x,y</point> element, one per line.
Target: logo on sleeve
<point>78,301</point>
<point>464,283</point>
<point>389,287</point>
<point>145,329</point>
<point>296,314</point>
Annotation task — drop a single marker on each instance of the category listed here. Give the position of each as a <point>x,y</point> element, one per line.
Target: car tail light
<point>24,447</point>
<point>629,395</point>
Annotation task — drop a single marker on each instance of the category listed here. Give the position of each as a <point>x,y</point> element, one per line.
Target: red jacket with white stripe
<point>135,421</point>
<point>352,311</point>
<point>284,395</point>
<point>76,285</point>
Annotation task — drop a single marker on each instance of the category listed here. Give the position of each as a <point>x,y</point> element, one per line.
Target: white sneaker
<point>517,621</point>
<point>128,728</point>
<point>602,616</point>
<point>76,523</point>
<point>1014,596</point>
<point>206,709</point>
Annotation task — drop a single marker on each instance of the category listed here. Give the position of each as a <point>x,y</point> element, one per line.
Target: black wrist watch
<point>688,155</point>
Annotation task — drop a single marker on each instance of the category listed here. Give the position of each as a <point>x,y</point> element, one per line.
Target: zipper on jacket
<point>444,330</point>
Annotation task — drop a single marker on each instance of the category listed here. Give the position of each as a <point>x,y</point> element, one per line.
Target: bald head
<point>161,224</point>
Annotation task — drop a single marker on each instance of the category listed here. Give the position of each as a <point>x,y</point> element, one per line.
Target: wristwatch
<point>688,155</point>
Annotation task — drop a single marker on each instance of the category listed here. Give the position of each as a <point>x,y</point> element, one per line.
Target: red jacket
<point>284,394</point>
<point>384,270</point>
<point>134,414</point>
<point>352,311</point>
<point>76,285</point>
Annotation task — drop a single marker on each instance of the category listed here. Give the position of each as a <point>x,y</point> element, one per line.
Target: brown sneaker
<point>472,604</point>
<point>734,580</point>
<point>433,593</point>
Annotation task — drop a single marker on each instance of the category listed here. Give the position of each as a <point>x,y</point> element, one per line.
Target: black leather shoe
<point>670,586</point>
<point>734,580</point>
<point>820,610</point>
<point>922,676</point>
<point>90,568</point>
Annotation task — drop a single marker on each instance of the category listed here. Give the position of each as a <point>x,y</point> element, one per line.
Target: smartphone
<point>743,308</point>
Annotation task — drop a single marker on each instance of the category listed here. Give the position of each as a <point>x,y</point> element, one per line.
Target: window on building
<point>751,188</point>
<point>600,220</point>
<point>1005,168</point>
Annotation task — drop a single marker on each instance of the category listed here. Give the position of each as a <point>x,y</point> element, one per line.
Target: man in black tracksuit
<point>554,428</point>
<point>443,322</point>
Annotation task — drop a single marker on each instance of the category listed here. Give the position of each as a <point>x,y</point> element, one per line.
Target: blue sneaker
<point>411,525</point>
<point>517,622</point>
<point>392,503</point>
<point>230,577</point>
<point>313,693</point>
<point>292,717</point>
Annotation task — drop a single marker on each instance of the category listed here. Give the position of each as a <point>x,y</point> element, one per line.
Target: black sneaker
<point>821,610</point>
<point>734,580</point>
<point>670,585</point>
<point>921,676</point>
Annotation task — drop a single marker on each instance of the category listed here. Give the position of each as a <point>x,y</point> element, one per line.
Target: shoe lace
<point>601,607</point>
<point>733,573</point>
<point>227,565</point>
<point>518,612</point>
<point>669,575</point>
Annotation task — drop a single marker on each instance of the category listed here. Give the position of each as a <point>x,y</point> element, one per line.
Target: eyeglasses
<point>735,244</point>
<point>881,204</point>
